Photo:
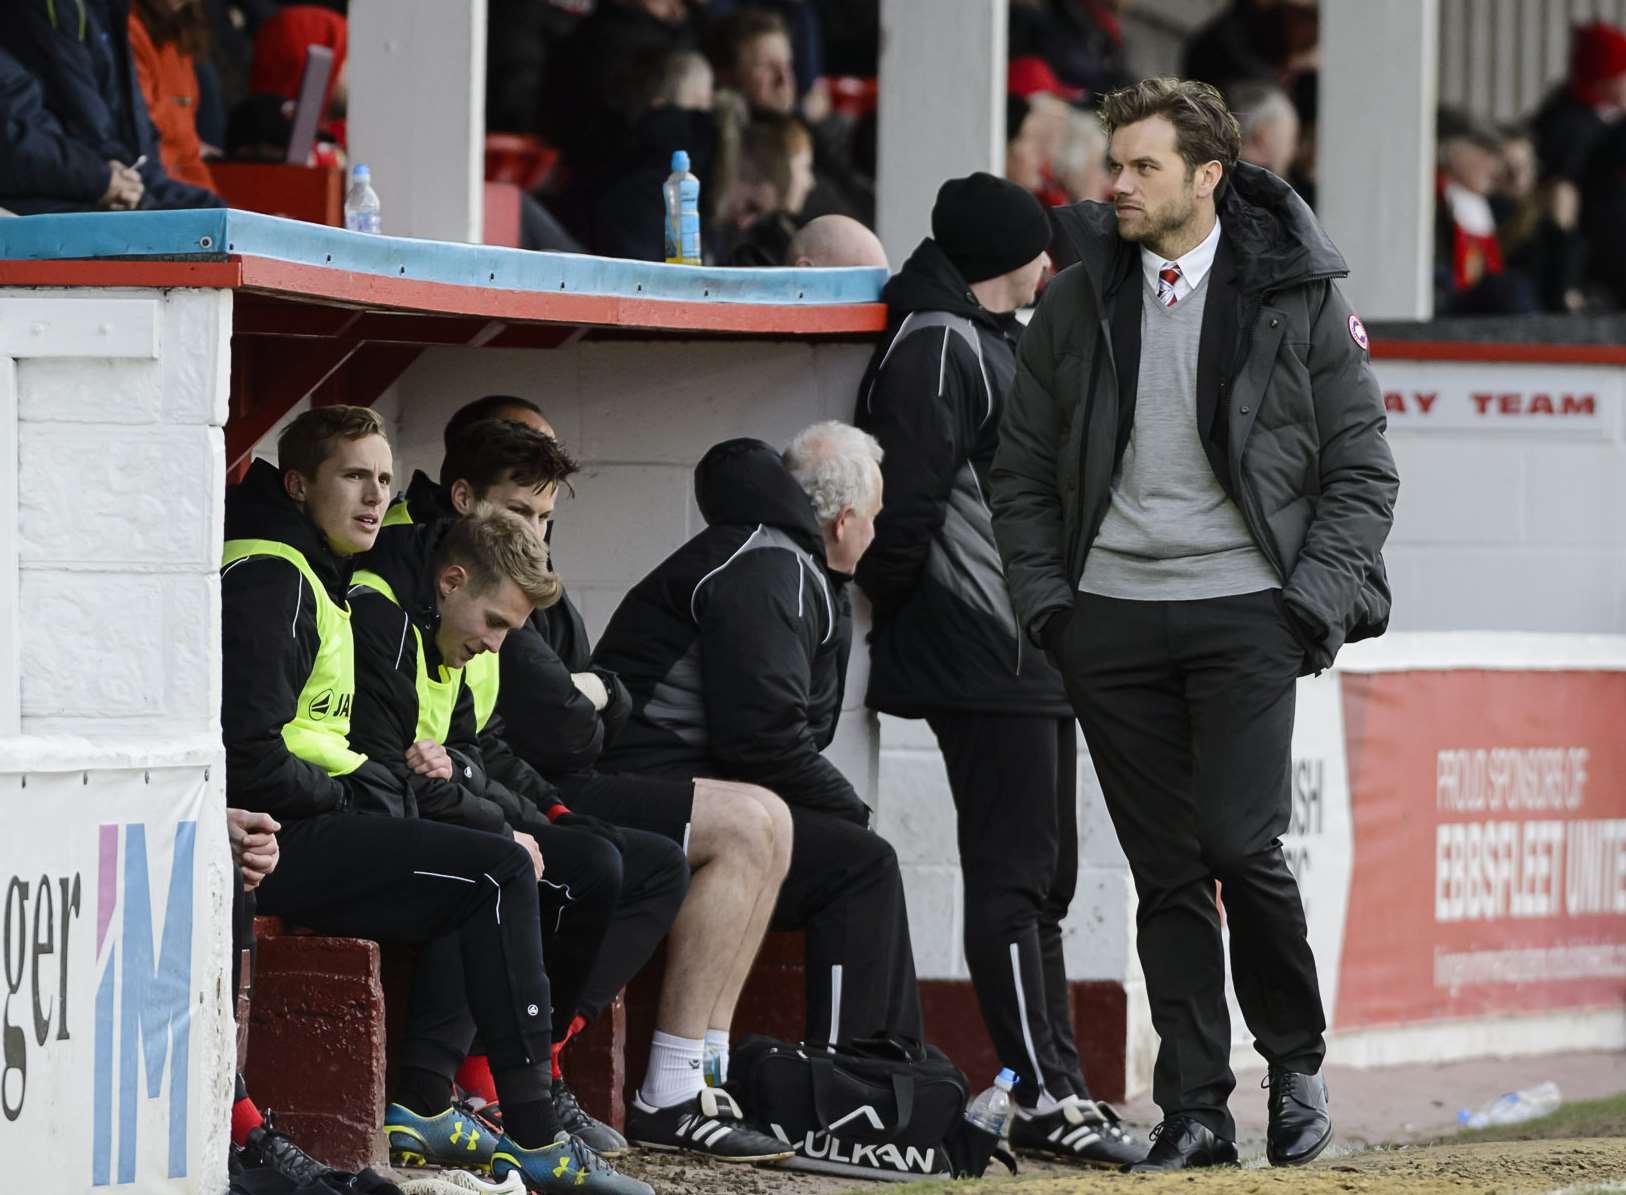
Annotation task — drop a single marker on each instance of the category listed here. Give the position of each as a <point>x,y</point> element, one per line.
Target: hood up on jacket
<point>743,482</point>
<point>1278,241</point>
<point>258,507</point>
<point>929,281</point>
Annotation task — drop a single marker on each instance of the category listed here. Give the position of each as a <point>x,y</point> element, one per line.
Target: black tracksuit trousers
<point>1188,711</point>
<point>411,881</point>
<point>1015,782</point>
<point>602,912</point>
<point>844,891</point>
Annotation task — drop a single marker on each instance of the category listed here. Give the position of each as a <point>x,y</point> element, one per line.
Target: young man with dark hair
<point>556,711</point>
<point>288,699</point>
<point>607,896</point>
<point>1191,494</point>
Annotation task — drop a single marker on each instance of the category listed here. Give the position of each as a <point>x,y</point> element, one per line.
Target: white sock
<point>1046,1105</point>
<point>674,1073</point>
<point>717,1048</point>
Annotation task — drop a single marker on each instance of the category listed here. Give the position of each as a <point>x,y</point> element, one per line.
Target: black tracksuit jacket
<point>945,637</point>
<point>498,794</point>
<point>269,639</point>
<point>735,648</point>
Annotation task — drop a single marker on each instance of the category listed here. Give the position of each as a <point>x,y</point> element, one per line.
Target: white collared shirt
<point>1194,266</point>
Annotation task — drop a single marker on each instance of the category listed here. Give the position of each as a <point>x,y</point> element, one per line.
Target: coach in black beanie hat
<point>988,226</point>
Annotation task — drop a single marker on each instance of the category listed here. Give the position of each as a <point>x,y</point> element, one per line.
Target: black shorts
<point>658,804</point>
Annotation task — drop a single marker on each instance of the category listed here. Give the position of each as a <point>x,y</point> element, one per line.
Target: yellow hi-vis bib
<point>436,696</point>
<point>482,673</point>
<point>319,732</point>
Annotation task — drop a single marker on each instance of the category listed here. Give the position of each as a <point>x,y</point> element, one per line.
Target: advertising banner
<point>111,997</point>
<point>1489,876</point>
<point>1456,396</point>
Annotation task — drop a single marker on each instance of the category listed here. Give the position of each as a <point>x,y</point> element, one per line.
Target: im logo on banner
<point>97,1065</point>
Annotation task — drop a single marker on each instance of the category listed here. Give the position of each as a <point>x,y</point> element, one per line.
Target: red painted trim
<point>1472,350</point>
<point>204,274</point>
<point>293,279</point>
<point>264,274</point>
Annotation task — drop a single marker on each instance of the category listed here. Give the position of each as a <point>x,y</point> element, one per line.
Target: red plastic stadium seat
<point>519,159</point>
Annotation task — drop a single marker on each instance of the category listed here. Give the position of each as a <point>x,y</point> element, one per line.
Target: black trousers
<point>1015,782</point>
<point>411,881</point>
<point>844,891</point>
<point>1187,708</point>
<point>602,912</point>
<point>654,881</point>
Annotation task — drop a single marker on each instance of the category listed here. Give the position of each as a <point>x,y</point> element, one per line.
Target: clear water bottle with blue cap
<point>361,202</point>
<point>682,193</point>
<point>991,1110</point>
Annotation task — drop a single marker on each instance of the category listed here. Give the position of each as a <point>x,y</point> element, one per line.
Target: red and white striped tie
<point>1166,278</point>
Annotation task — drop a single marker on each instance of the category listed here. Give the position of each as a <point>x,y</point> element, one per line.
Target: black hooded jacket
<point>1288,410</point>
<point>387,707</point>
<point>270,641</point>
<point>945,637</point>
<point>735,648</point>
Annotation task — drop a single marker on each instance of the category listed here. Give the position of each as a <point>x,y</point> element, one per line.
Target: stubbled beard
<point>1159,224</point>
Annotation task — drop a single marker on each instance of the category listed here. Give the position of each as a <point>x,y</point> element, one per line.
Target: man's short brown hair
<point>1204,129</point>
<point>308,441</point>
<point>493,544</point>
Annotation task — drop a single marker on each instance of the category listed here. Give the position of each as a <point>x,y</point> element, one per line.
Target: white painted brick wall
<point>120,401</point>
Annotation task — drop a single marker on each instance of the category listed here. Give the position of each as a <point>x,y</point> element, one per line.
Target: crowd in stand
<point>118,104</point>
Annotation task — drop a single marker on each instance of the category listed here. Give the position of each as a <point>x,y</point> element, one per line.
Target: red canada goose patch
<point>1357,332</point>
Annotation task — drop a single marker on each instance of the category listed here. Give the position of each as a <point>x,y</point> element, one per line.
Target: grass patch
<point>1583,1118</point>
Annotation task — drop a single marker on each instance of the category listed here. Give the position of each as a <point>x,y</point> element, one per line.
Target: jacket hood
<point>743,482</point>
<point>928,281</point>
<point>403,556</point>
<point>259,508</point>
<point>426,501</point>
<point>1278,241</point>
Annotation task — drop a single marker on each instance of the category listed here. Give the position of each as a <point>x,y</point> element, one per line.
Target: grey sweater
<point>1171,532</point>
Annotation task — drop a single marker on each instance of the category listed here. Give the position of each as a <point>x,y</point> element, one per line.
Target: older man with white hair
<point>734,651</point>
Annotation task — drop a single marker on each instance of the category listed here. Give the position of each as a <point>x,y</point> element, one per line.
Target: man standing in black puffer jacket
<point>946,645</point>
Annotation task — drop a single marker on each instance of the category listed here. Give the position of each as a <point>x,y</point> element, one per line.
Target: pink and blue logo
<point>143,999</point>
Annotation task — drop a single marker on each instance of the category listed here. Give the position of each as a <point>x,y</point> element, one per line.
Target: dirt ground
<point>1489,1167</point>
<point>1581,1148</point>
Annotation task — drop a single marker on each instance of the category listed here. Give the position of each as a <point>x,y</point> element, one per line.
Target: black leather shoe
<point>1300,1126</point>
<point>1180,1143</point>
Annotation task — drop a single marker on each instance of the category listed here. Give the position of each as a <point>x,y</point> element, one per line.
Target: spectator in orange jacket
<point>167,37</point>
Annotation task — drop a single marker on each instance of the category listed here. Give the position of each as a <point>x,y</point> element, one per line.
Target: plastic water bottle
<point>361,202</point>
<point>1514,1107</point>
<point>991,1111</point>
<point>682,193</point>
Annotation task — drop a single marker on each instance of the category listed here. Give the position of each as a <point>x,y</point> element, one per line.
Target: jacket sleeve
<point>38,159</point>
<point>919,408</point>
<point>269,636</point>
<point>546,719</point>
<point>1359,481</point>
<point>384,722</point>
<point>759,631</point>
<point>1026,509</point>
<point>528,802</point>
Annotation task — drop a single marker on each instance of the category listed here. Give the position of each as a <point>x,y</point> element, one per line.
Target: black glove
<point>592,825</point>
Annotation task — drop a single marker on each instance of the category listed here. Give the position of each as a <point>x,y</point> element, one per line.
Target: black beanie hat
<point>988,226</point>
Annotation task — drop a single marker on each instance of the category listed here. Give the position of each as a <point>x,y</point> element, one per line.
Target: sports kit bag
<point>873,1108</point>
